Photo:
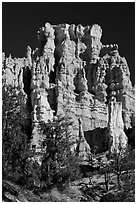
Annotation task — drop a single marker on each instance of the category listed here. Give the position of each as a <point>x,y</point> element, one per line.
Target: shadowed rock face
<point>97,139</point>
<point>72,72</point>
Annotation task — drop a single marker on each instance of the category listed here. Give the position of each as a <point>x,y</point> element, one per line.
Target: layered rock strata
<point>73,72</point>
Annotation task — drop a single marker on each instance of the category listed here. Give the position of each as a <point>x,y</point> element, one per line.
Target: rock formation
<point>71,71</point>
<point>83,147</point>
<point>117,135</point>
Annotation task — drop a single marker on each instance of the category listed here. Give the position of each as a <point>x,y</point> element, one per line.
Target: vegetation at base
<point>40,175</point>
<point>116,176</point>
<point>14,135</point>
<point>59,164</point>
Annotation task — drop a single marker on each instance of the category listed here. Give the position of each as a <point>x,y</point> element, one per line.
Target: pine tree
<point>14,137</point>
<point>59,163</point>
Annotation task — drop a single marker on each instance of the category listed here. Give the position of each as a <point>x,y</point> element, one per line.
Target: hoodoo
<point>73,72</point>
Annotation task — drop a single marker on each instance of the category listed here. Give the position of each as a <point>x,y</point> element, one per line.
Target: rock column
<point>117,135</point>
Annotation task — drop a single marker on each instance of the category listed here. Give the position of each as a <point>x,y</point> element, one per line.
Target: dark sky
<point>21,21</point>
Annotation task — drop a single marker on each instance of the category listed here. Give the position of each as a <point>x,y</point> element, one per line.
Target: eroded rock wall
<point>72,72</point>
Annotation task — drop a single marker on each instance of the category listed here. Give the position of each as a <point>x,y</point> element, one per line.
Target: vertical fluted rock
<point>13,72</point>
<point>40,71</point>
<point>100,85</point>
<point>42,111</point>
<point>96,33</point>
<point>72,72</point>
<point>29,56</point>
<point>117,135</point>
<point>68,54</point>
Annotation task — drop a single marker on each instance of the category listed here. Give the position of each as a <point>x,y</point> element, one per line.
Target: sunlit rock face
<point>72,72</point>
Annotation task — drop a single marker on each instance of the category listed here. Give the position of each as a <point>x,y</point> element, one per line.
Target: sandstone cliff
<point>72,72</point>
